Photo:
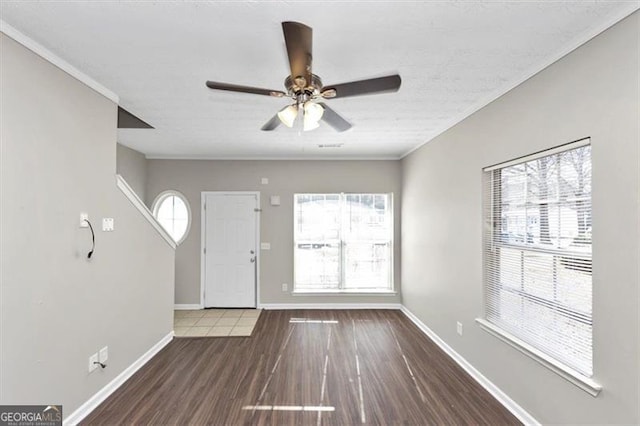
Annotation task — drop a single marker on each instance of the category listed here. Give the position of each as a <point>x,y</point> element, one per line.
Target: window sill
<point>344,293</point>
<point>585,383</point>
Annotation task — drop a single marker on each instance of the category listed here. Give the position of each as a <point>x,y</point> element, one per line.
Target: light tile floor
<point>215,322</point>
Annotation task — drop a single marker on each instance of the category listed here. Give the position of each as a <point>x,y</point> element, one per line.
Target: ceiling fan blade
<point>244,89</point>
<point>299,40</point>
<point>271,124</point>
<point>389,83</point>
<point>334,119</point>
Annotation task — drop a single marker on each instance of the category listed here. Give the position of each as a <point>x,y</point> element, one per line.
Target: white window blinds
<point>537,252</point>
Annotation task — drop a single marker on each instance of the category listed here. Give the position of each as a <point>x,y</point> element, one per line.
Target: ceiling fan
<point>306,89</point>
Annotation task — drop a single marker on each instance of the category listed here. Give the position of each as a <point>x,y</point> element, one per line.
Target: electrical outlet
<point>284,286</point>
<point>83,220</point>
<point>103,355</point>
<point>459,328</point>
<point>93,359</point>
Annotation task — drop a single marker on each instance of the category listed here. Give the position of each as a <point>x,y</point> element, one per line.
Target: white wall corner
<point>490,387</point>
<point>48,55</point>
<point>92,403</point>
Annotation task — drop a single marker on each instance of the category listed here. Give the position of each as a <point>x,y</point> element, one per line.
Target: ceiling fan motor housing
<point>310,90</point>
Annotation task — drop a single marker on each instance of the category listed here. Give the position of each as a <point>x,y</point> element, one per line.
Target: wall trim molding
<point>92,403</point>
<point>489,386</point>
<point>530,72</point>
<point>168,193</point>
<point>142,208</point>
<point>277,306</point>
<point>187,306</point>
<point>48,55</point>
<point>216,158</point>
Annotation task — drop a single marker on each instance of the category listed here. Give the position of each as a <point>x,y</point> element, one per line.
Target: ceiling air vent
<point>330,145</point>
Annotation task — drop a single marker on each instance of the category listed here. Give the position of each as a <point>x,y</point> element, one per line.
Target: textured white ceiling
<point>453,58</point>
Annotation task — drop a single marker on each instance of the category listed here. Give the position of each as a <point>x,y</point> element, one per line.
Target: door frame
<point>203,221</point>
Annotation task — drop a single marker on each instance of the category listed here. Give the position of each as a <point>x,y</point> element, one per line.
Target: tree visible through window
<point>537,254</point>
<point>343,242</point>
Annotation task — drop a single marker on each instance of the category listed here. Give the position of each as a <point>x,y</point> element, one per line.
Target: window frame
<point>390,291</point>
<point>156,207</point>
<point>586,383</point>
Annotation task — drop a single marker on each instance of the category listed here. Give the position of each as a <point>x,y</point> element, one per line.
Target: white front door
<point>230,252</point>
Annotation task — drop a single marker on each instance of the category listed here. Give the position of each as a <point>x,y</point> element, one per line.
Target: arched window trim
<point>163,196</point>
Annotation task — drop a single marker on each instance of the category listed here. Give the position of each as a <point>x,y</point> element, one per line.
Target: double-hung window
<point>537,253</point>
<point>343,242</point>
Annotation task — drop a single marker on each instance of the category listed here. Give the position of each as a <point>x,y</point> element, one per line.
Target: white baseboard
<point>498,394</point>
<point>187,306</point>
<point>85,409</point>
<point>276,306</point>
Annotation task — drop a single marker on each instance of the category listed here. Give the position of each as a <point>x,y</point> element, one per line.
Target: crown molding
<point>578,41</point>
<point>51,57</point>
<point>214,158</point>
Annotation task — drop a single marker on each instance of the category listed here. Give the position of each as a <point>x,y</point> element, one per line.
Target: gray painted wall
<point>132,166</point>
<point>58,158</point>
<point>191,177</point>
<point>593,92</point>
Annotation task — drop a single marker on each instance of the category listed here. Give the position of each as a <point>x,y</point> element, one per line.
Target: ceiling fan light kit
<point>308,124</point>
<point>306,89</point>
<point>312,115</point>
<point>313,110</point>
<point>288,114</point>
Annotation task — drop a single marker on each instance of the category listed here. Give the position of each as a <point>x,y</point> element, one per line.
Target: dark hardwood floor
<point>355,367</point>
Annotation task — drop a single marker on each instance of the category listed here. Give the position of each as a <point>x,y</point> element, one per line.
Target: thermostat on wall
<point>275,200</point>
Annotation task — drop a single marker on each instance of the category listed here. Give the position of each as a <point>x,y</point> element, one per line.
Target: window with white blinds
<point>537,252</point>
<point>343,242</point>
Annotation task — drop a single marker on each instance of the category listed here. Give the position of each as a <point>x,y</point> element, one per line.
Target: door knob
<point>253,259</point>
<point>251,251</point>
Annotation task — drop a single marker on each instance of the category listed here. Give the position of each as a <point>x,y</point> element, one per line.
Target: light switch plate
<point>92,362</point>
<point>459,328</point>
<point>275,200</point>
<point>285,286</point>
<point>103,355</point>
<point>83,220</point>
<point>265,246</point>
<point>107,224</point>
<point>264,181</point>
